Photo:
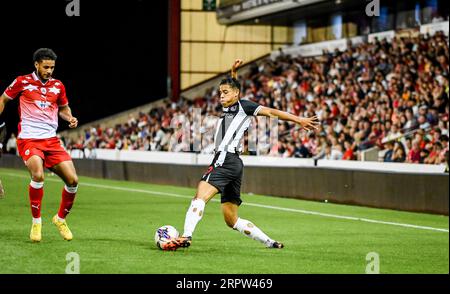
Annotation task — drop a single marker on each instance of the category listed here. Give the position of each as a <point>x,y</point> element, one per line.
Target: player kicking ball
<point>42,98</point>
<point>224,175</point>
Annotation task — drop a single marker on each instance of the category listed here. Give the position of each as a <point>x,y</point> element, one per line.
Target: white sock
<point>250,230</point>
<point>37,220</point>
<point>60,219</point>
<point>71,190</point>
<point>193,216</point>
<point>36,185</point>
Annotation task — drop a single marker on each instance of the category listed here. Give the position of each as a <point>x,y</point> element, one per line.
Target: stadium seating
<point>392,95</point>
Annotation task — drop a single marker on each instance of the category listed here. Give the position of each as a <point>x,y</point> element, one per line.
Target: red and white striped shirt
<point>38,105</point>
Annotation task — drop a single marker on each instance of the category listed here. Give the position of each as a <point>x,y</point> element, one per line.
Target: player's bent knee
<point>37,176</point>
<point>72,181</point>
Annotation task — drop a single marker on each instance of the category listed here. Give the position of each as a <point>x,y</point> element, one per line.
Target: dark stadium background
<point>111,58</point>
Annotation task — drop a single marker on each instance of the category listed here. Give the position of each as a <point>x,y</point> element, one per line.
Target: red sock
<point>68,197</point>
<point>36,192</point>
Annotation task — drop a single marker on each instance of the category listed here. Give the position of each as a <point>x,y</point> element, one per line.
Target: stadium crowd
<point>393,95</point>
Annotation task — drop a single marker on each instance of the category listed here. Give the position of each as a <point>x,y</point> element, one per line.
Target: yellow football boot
<point>63,228</point>
<point>35,234</point>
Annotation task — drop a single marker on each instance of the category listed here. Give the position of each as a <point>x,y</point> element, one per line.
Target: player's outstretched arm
<point>66,114</point>
<point>308,123</point>
<point>234,67</point>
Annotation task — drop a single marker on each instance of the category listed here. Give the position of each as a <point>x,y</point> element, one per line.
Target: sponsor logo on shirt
<point>42,104</point>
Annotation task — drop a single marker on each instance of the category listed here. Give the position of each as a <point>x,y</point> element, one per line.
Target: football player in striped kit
<point>224,175</point>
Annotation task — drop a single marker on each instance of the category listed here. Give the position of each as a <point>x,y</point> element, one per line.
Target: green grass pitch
<point>114,222</point>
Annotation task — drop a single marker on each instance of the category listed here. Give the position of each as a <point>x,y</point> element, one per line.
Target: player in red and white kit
<point>41,99</point>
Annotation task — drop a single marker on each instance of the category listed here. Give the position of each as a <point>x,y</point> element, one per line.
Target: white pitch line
<point>256,205</point>
<point>349,217</point>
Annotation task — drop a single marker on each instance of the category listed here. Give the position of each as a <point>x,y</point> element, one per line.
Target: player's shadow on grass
<point>147,245</point>
<point>198,251</point>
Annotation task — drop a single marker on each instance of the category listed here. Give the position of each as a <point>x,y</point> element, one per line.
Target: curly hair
<point>44,54</point>
<point>233,83</point>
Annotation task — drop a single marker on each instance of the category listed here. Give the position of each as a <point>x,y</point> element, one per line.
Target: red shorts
<point>50,150</point>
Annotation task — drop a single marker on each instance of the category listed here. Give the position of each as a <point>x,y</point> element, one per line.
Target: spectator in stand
<point>399,152</point>
<point>411,123</point>
<point>389,152</point>
<point>301,151</point>
<point>349,151</point>
<point>414,153</point>
<point>434,155</point>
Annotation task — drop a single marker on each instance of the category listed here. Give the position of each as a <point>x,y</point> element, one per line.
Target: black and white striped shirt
<point>234,121</point>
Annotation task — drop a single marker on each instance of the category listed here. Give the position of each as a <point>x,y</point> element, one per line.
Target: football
<point>165,234</point>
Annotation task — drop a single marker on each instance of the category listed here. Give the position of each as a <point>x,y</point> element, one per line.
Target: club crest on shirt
<point>42,104</point>
<point>44,91</point>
